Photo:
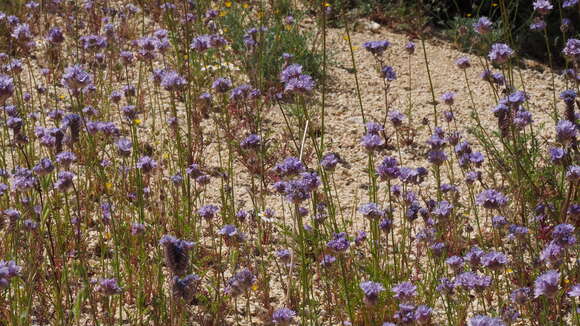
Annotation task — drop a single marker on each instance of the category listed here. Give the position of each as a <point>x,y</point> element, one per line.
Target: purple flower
<point>436,157</point>
<point>574,291</point>
<point>93,42</point>
<point>437,140</point>
<point>208,211</point>
<point>22,33</point>
<point>329,161</point>
<point>396,118</point>
<point>371,291</point>
<point>374,128</point>
<point>552,255</point>
<point>388,169</point>
<point>6,88</point>
<point>55,36</point>
<point>222,85</point>
<point>494,260</point>
<point>500,53</point>
<point>481,320</point>
<point>253,141</point>
<point>448,98</point>
<point>240,282</point>
<point>66,158</point>
<point>137,228</point>
<point>290,72</point>
<point>569,3</point>
<point>568,96</point>
<point>538,24</point>
<point>445,286</point>
<point>389,73</point>
<point>231,234</point>
<point>176,253</point>
<point>438,248</point>
<point>372,142</point>
<point>572,49</point>
<point>64,181</point>
<point>405,291</point>
<point>43,167</point>
<point>522,119</point>
<point>283,316</point>
<point>547,284</point>
<point>243,92</point>
<point>543,7</point>
<point>146,164</point>
<point>124,146</point>
<point>376,47</point>
<point>109,286</point>
<point>405,315</point>
<point>491,199</point>
<point>75,78</point>
<point>371,211</point>
<point>361,236</point>
<point>284,255</point>
<point>442,209</point>
<point>423,315</point>
<point>498,221</point>
<point>385,224</point>
<point>410,47</point>
<point>563,235</point>
<point>23,180</point>
<point>463,63</point>
<point>472,281</point>
<point>521,295</point>
<point>327,260</point>
<point>573,173</point>
<point>483,26</point>
<point>185,288</point>
<point>339,243</point>
<point>289,167</point>
<point>455,262</point>
<point>172,81</point>
<point>565,131</point>
<point>8,270</point>
<point>303,84</point>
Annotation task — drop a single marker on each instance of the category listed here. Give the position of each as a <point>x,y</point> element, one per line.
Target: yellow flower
<point>137,121</point>
<point>469,15</point>
<point>354,48</point>
<point>108,185</point>
<point>509,270</point>
<point>245,6</point>
<point>165,156</point>
<point>228,4</point>
<point>222,13</point>
<point>494,4</point>
<point>345,37</point>
<point>254,287</point>
<point>61,97</point>
<point>326,4</point>
<point>107,235</point>
<point>566,281</point>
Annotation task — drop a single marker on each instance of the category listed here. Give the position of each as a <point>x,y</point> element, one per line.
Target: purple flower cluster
<point>240,282</point>
<point>371,291</point>
<point>500,53</point>
<point>8,270</point>
<point>376,47</point>
<point>176,253</point>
